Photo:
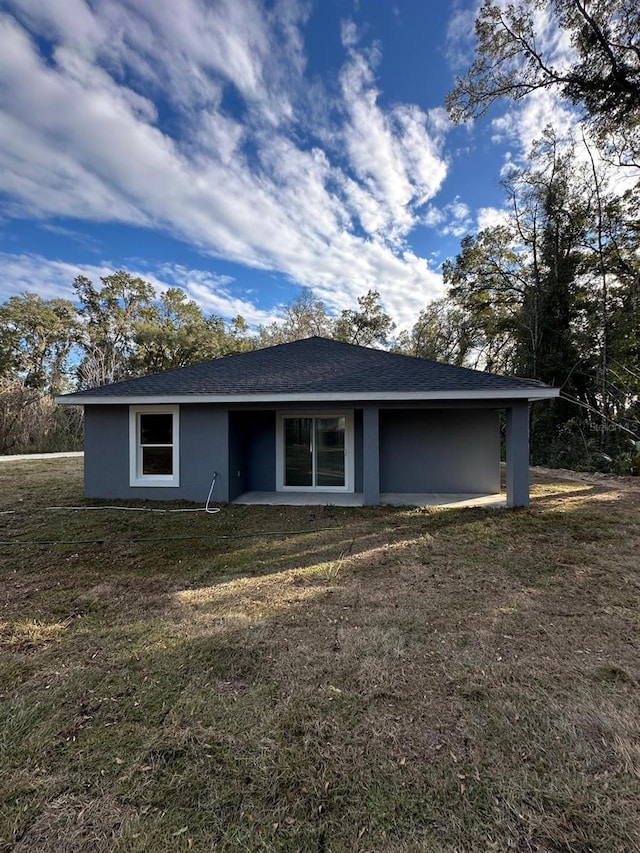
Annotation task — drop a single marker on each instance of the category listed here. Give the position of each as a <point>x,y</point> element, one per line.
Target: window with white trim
<point>153,446</point>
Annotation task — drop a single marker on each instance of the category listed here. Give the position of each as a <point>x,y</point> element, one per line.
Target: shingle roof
<point>312,366</point>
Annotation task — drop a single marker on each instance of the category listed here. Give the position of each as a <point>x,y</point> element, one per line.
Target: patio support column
<point>517,441</point>
<point>371,455</point>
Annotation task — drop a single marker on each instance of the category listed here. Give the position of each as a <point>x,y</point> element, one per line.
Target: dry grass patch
<point>320,679</point>
<point>71,822</point>
<point>29,634</point>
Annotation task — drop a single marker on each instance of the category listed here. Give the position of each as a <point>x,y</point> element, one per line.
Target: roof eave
<point>532,394</point>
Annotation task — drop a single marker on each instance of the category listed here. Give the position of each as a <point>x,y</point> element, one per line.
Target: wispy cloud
<point>453,219</point>
<point>395,154</point>
<point>79,237</point>
<point>31,273</point>
<point>98,128</point>
<point>211,292</point>
<point>21,273</point>
<point>524,122</point>
<point>460,41</point>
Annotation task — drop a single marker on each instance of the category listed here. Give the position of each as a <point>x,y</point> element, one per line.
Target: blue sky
<point>243,149</point>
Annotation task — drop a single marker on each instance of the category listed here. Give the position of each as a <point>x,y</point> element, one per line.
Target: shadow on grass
<point>55,582</point>
<point>301,727</point>
<point>413,679</point>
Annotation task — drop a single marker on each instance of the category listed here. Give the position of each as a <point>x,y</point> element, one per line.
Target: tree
<point>522,281</point>
<point>238,338</point>
<point>173,332</point>
<point>446,331</point>
<point>614,264</point>
<point>367,326</point>
<point>522,278</point>
<point>515,57</point>
<point>550,212</point>
<point>30,421</point>
<point>304,317</point>
<point>37,337</point>
<point>109,316</point>
<point>486,284</point>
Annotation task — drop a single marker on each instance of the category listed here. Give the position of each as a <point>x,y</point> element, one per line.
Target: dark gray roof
<point>312,366</point>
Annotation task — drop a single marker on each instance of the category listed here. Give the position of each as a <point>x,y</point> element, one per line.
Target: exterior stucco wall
<point>440,450</point>
<point>203,449</point>
<point>423,450</point>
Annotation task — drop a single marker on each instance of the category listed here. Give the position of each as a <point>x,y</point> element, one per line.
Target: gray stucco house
<point>315,418</point>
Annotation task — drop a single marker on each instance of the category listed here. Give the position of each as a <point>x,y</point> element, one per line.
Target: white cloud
<point>433,216</point>
<point>79,237</point>
<point>460,40</point>
<point>211,292</point>
<point>454,219</point>
<point>22,273</point>
<point>30,273</point>
<point>524,122</point>
<point>72,20</point>
<point>490,217</point>
<point>81,136</point>
<point>349,34</point>
<point>523,125</point>
<point>395,154</point>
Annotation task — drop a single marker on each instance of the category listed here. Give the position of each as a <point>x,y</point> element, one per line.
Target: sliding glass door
<point>314,451</point>
<point>298,451</point>
<point>330,451</point>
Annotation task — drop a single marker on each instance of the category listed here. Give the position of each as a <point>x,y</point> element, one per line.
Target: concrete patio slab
<point>357,499</point>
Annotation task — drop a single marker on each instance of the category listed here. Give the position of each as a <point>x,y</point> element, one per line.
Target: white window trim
<point>349,451</point>
<point>136,477</point>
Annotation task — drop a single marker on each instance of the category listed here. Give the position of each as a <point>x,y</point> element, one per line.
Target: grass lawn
<point>319,678</point>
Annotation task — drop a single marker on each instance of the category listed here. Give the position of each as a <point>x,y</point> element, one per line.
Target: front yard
<point>319,678</point>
